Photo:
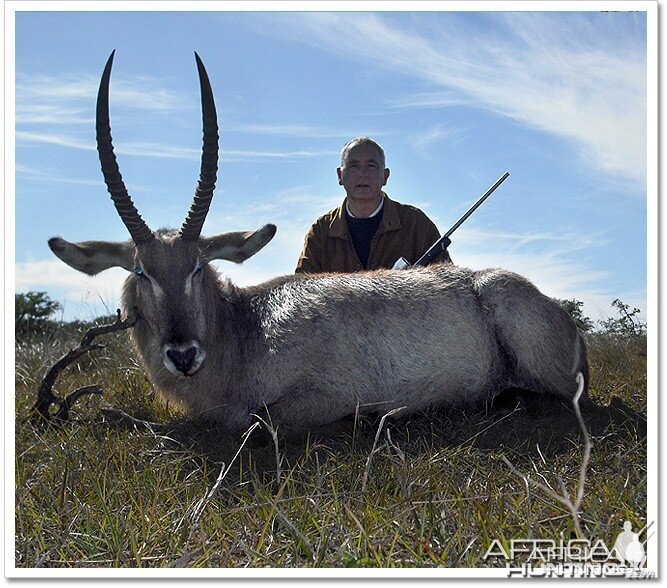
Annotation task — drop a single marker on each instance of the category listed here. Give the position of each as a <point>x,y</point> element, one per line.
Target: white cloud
<point>47,177</point>
<point>51,114</point>
<point>422,142</point>
<point>68,100</point>
<point>550,71</point>
<point>54,139</point>
<point>565,242</point>
<point>65,99</point>
<point>441,99</point>
<point>159,150</point>
<point>83,297</point>
<point>240,155</point>
<point>302,131</point>
<point>137,149</point>
<point>35,174</point>
<point>556,263</point>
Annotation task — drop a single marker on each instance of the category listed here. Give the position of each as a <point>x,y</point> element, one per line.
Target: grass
<point>427,491</point>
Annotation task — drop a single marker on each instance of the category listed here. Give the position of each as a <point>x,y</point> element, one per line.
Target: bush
<point>576,310</point>
<point>627,325</point>
<point>32,312</point>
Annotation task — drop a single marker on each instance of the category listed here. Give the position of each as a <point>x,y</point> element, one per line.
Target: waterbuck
<point>309,350</point>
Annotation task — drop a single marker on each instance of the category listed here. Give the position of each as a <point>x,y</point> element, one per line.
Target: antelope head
<point>170,282</point>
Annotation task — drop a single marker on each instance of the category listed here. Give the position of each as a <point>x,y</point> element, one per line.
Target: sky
<point>558,99</point>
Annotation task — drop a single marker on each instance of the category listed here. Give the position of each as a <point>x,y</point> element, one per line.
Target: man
<point>368,230</point>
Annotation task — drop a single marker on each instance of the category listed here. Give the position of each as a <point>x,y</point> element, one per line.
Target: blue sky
<point>558,99</point>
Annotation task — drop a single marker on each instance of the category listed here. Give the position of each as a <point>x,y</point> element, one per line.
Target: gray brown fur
<point>312,349</point>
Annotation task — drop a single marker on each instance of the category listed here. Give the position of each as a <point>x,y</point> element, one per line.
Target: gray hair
<point>361,141</point>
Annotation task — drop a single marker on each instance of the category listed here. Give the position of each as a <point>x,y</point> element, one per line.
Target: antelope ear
<point>92,257</point>
<point>237,246</point>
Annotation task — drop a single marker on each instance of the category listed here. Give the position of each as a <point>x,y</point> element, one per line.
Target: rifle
<point>444,241</point>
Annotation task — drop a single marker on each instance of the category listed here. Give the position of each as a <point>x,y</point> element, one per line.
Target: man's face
<point>362,174</point>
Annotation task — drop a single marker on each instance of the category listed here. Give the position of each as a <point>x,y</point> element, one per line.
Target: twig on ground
<point>292,527</point>
<point>564,498</point>
<point>404,476</point>
<point>356,423</point>
<point>121,419</point>
<point>45,396</point>
<point>364,479</point>
<point>460,556</point>
<point>202,503</point>
<point>186,558</point>
<point>274,435</point>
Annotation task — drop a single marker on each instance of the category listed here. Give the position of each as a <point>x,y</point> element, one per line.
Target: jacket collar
<point>390,220</point>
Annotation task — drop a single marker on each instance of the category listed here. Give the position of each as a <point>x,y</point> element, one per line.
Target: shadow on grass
<point>519,422</point>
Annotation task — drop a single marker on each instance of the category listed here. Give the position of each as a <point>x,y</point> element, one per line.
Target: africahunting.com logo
<point>575,558</point>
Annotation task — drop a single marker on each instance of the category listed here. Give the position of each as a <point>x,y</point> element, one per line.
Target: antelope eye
<point>138,271</point>
<point>199,266</point>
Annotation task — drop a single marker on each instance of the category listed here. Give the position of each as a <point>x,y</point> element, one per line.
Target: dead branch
<point>45,395</point>
<point>122,420</point>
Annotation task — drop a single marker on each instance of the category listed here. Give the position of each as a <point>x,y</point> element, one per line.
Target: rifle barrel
<point>444,242</point>
<point>477,204</point>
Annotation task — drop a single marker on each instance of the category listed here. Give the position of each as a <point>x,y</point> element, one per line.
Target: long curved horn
<point>139,230</point>
<point>192,226</point>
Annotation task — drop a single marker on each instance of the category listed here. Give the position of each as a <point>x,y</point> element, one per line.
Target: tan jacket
<point>404,231</point>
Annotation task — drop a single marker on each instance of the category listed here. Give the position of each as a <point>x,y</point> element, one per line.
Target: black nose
<point>183,360</point>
